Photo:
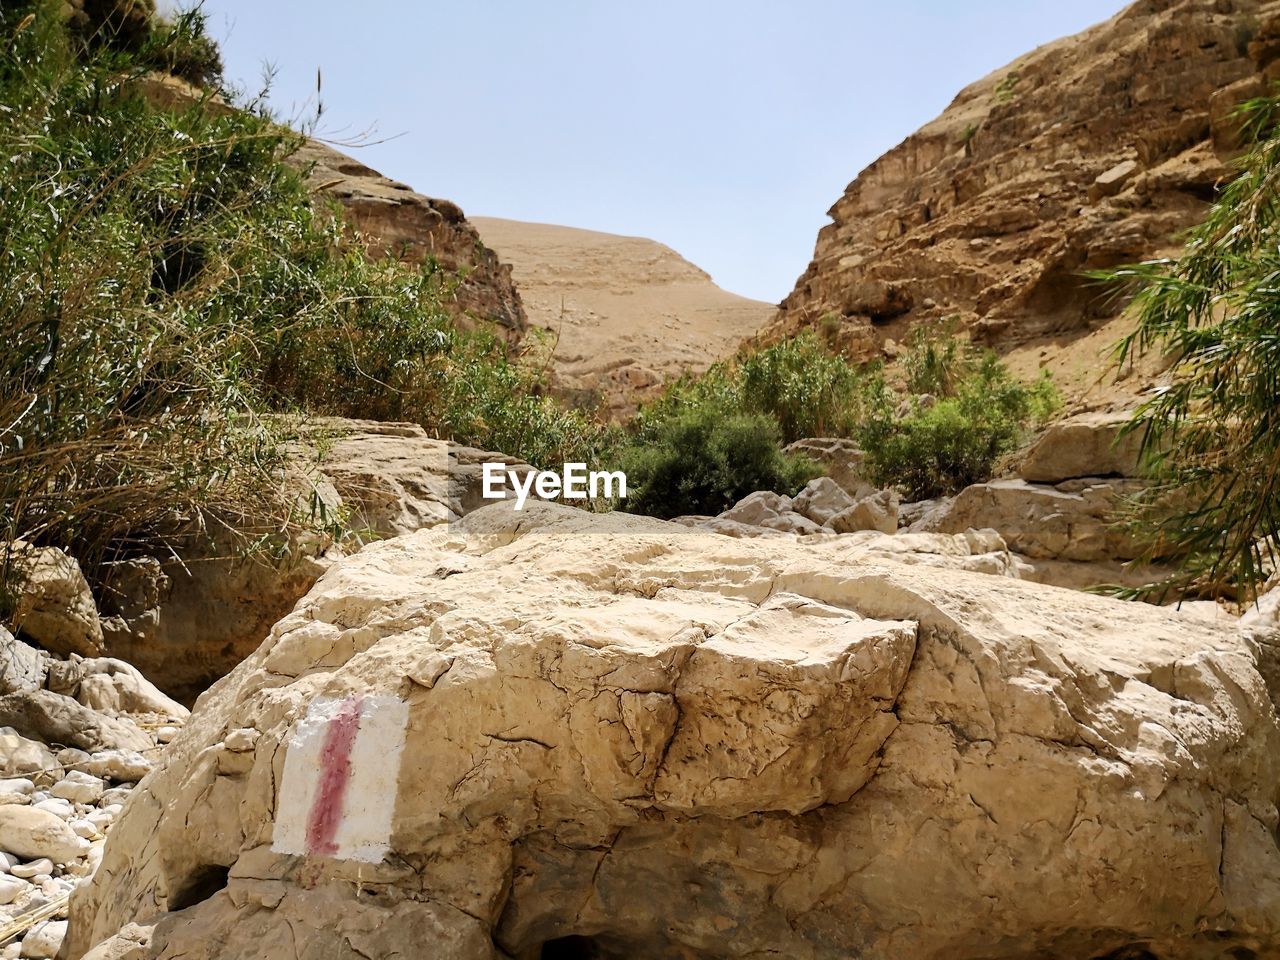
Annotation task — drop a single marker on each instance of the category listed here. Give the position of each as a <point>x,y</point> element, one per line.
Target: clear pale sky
<point>723,128</point>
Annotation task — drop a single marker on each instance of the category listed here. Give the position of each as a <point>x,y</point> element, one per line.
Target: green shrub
<point>957,440</point>
<point>705,460</point>
<point>165,282</point>
<point>805,387</point>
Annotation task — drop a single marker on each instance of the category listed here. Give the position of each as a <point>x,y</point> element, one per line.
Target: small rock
<point>32,834</point>
<point>36,868</point>
<point>166,734</point>
<point>11,888</point>
<point>44,940</point>
<point>16,790</point>
<point>12,952</point>
<point>101,819</point>
<point>241,740</point>
<point>119,765</point>
<point>79,787</point>
<point>58,807</point>
<point>115,797</point>
<point>84,827</point>
<point>71,758</point>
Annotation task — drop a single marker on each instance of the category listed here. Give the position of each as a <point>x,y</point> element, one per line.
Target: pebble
<point>33,834</point>
<point>35,868</point>
<point>101,819</point>
<point>12,952</point>
<point>44,940</point>
<point>166,734</point>
<point>116,796</point>
<point>84,827</point>
<point>79,787</point>
<point>16,790</point>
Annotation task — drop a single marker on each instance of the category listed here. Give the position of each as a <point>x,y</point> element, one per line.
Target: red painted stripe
<point>325,815</point>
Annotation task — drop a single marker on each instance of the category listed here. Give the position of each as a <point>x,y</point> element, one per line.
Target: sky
<point>723,128</point>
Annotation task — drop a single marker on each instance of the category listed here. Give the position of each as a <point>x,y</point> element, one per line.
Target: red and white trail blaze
<point>337,795</point>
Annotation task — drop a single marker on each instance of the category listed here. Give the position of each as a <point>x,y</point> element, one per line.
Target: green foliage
<point>704,460</point>
<point>979,414</point>
<point>1211,436</point>
<point>1007,86</point>
<point>805,387</point>
<point>165,282</point>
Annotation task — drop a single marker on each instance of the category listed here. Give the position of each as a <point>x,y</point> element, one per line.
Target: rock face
<point>624,314</point>
<point>395,221</point>
<point>187,624</point>
<point>491,742</point>
<point>1091,151</point>
<point>54,606</point>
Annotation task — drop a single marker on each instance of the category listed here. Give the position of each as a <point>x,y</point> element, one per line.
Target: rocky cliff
<point>396,221</point>
<point>1094,150</point>
<point>625,314</point>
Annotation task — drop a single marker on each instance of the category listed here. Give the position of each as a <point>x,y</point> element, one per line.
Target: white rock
<point>241,740</point>
<point>84,827</point>
<point>71,758</point>
<point>11,888</point>
<point>20,756</point>
<point>79,787</point>
<point>119,765</point>
<point>167,733</point>
<point>36,868</point>
<point>12,952</point>
<point>32,833</point>
<point>44,940</point>
<point>16,790</point>
<point>58,807</point>
<point>100,819</point>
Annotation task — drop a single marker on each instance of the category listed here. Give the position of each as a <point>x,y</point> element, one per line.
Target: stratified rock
<point>1087,445</point>
<point>547,732</point>
<point>53,605</point>
<point>31,834</point>
<point>393,220</point>
<point>1094,150</point>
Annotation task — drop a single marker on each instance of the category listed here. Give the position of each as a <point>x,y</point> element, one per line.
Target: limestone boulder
<point>21,666</point>
<point>1072,521</point>
<point>21,756</point>
<point>32,834</point>
<point>821,500</point>
<point>878,512</point>
<point>1088,445</point>
<point>841,458</point>
<point>53,604</point>
<point>552,734</point>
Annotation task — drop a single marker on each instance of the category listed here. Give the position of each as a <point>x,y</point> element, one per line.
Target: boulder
<point>52,718</point>
<point>20,756</point>
<point>44,940</point>
<point>821,500</point>
<point>1088,445</point>
<point>22,667</point>
<point>53,604</point>
<point>877,512</point>
<point>1074,521</point>
<point>840,457</point>
<point>32,834</point>
<point>114,687</point>
<point>759,508</point>
<point>489,738</point>
<point>79,787</point>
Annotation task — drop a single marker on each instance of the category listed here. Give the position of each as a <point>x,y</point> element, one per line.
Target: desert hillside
<point>626,314</point>
<point>1095,150</point>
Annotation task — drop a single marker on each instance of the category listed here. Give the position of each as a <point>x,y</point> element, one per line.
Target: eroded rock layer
<point>1094,150</point>
<point>551,732</point>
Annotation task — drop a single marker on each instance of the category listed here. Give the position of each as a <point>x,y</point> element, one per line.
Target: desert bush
<point>165,282</point>
<point>702,461</point>
<point>805,387</point>
<point>978,414</point>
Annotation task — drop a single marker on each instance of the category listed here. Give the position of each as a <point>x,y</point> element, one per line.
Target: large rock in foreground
<point>563,735</point>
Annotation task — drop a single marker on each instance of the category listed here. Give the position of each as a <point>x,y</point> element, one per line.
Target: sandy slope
<point>624,313</point>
